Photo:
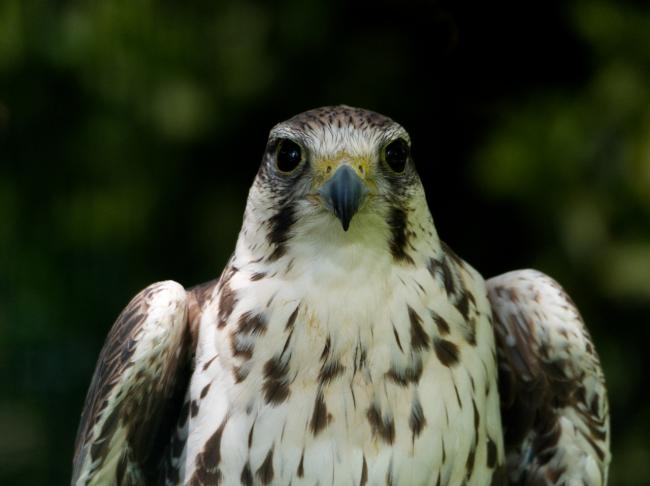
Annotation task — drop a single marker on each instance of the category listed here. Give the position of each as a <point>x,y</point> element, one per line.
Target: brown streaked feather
<point>197,297</point>
<point>549,377</point>
<point>133,403</point>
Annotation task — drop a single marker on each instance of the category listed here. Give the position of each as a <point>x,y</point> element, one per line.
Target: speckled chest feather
<point>350,367</point>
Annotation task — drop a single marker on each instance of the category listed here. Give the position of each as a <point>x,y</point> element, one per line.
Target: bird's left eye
<point>396,154</point>
<point>288,155</point>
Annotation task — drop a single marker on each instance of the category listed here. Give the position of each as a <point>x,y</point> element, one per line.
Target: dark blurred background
<point>130,131</point>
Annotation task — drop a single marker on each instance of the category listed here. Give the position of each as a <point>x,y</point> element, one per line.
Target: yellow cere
<point>324,168</point>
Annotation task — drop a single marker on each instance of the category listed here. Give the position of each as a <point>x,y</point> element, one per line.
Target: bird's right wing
<point>138,384</point>
<point>553,396</point>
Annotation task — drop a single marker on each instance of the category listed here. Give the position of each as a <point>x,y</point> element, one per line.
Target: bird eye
<point>288,155</point>
<point>396,154</point>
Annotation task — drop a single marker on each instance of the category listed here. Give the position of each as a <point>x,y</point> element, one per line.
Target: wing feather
<point>141,367</point>
<point>554,401</point>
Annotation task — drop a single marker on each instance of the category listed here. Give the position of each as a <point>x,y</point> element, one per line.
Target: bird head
<point>336,171</point>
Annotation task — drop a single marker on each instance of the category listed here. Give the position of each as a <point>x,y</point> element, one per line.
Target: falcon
<point>346,344</point>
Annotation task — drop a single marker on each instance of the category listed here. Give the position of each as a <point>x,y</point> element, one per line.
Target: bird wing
<point>141,376</point>
<point>553,397</point>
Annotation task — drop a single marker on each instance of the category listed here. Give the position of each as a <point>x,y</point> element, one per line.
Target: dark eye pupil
<point>397,154</point>
<point>288,155</point>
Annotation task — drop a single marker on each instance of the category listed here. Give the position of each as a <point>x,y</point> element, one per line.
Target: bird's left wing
<point>142,366</point>
<point>553,397</point>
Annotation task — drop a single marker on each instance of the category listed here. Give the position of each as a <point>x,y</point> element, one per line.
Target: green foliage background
<point>131,130</point>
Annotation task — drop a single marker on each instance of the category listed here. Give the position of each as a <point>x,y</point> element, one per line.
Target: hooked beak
<point>343,194</point>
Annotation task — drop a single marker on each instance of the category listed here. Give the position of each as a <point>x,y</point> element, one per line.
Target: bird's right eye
<point>396,154</point>
<point>288,155</point>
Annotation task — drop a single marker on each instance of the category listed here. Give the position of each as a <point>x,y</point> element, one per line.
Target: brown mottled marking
<point>417,421</point>
<point>397,377</point>
<point>444,451</point>
<point>207,364</point>
<point>250,323</point>
<point>286,343</point>
<point>470,332</point>
<point>279,231</point>
<point>194,408</point>
<point>328,115</point>
<point>276,383</point>
<point>399,344</point>
<point>460,404</point>
<point>389,475</point>
<point>440,265</point>
<point>419,337</point>
<point>227,302</point>
<point>447,277</point>
<point>326,349</point>
<point>463,303</point>
<point>441,324</point>
<point>240,373</point>
<point>301,465</point>
<point>384,427</point>
<point>400,235</point>
<point>258,276</point>
<point>363,354</point>
<point>265,472</point>
<point>320,417</point>
<point>596,447</point>
<point>513,294</point>
<point>469,465</point>
<point>207,461</point>
<point>364,472</point>
<point>292,319</point>
<point>205,390</point>
<point>250,436</point>
<point>329,371</point>
<point>404,376</point>
<point>241,349</point>
<point>446,351</point>
<point>246,477</point>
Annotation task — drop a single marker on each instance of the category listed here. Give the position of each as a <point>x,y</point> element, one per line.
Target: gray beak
<point>343,194</point>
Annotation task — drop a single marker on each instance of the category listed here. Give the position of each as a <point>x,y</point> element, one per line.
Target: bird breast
<point>333,371</point>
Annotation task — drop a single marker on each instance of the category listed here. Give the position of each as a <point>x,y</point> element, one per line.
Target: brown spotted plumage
<point>142,384</point>
<point>382,426</point>
<point>553,396</point>
<point>320,416</point>
<point>276,386</point>
<point>344,343</point>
